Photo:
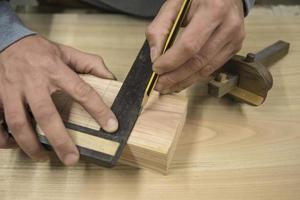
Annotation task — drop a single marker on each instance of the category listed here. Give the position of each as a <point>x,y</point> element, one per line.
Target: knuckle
<point>219,7</point>
<point>236,24</point>
<point>44,112</point>
<point>164,68</point>
<point>9,75</point>
<point>90,61</point>
<point>46,60</point>
<point>49,63</point>
<point>151,31</point>
<point>83,91</point>
<point>207,70</point>
<point>100,58</point>
<point>190,47</point>
<point>194,67</point>
<point>102,111</point>
<point>199,61</point>
<point>16,123</point>
<point>97,57</point>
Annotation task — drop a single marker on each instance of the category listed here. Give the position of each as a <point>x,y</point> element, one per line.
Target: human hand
<point>30,71</point>
<point>214,33</point>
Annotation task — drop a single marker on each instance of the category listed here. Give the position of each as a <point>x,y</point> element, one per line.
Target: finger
<point>21,128</point>
<point>86,63</point>
<point>157,32</point>
<point>183,84</point>
<point>219,60</point>
<point>234,27</point>
<point>173,78</point>
<point>212,48</point>
<point>89,99</point>
<point>189,44</point>
<point>47,117</point>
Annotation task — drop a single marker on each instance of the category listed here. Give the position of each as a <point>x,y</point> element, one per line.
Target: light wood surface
<point>227,151</point>
<point>151,143</point>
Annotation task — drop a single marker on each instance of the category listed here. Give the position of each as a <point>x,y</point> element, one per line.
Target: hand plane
<point>247,79</point>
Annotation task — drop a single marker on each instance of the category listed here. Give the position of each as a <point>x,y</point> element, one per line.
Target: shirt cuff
<point>11,27</point>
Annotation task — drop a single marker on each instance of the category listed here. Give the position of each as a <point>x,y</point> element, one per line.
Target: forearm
<point>11,27</point>
<point>248,4</point>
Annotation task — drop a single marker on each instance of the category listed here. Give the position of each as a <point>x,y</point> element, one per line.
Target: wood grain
<point>227,151</point>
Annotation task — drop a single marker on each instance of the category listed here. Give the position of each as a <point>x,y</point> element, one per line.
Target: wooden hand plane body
<point>248,79</point>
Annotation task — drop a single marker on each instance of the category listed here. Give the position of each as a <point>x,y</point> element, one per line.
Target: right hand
<point>30,71</point>
<point>214,33</point>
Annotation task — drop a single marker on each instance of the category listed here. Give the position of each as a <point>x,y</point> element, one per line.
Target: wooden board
<point>227,151</point>
<point>151,144</point>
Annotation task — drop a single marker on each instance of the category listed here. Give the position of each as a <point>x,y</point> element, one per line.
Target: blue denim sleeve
<point>248,4</point>
<point>11,27</point>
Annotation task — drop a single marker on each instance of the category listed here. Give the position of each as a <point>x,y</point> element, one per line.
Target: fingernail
<point>112,125</point>
<point>153,54</point>
<point>70,158</point>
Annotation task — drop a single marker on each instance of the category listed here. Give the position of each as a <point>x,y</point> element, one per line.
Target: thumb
<point>158,31</point>
<point>86,63</point>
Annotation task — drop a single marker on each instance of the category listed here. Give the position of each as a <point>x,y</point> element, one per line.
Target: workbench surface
<point>227,151</point>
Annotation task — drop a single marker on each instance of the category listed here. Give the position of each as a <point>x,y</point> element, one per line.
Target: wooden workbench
<point>227,151</point>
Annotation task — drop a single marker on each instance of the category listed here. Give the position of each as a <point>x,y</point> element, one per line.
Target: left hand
<point>214,33</point>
